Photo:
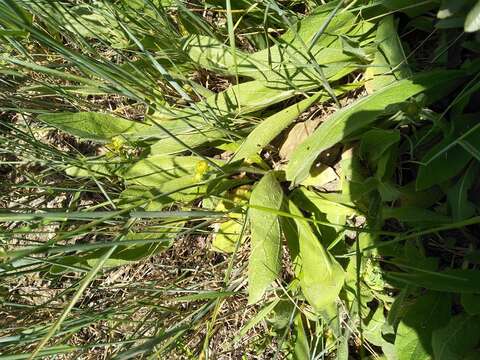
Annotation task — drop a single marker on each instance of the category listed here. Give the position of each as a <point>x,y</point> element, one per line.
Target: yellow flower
<point>201,169</point>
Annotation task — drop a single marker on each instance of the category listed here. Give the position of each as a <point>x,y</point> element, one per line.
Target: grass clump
<point>239,179</point>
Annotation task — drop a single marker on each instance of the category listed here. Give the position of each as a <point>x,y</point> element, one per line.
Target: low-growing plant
<point>334,142</point>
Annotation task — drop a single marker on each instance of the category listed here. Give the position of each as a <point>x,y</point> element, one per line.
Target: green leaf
<point>100,169</point>
<point>249,97</point>
<point>455,340</point>
<point>183,189</point>
<point>472,22</point>
<point>264,133</point>
<point>471,303</point>
<point>282,314</point>
<point>227,235</point>
<point>410,214</point>
<point>123,255</point>
<point>372,330</point>
<point>272,126</point>
<point>321,276</point>
<point>451,155</point>
<point>301,348</point>
<point>317,203</point>
<point>92,22</point>
<point>190,140</point>
<point>442,168</point>
<point>410,7</point>
<point>362,113</point>
<point>259,316</point>
<point>94,126</point>
<point>378,147</point>
<point>16,19</point>
<point>390,62</point>
<point>265,257</point>
<point>449,8</point>
<point>457,196</point>
<point>157,169</point>
<point>211,53</point>
<point>284,69</point>
<point>287,61</point>
<point>376,141</point>
<point>161,239</point>
<point>414,334</point>
<point>456,281</point>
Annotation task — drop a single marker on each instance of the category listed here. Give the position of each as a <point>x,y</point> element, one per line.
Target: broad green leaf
<point>211,53</point>
<point>184,189</point>
<point>456,281</point>
<point>267,130</point>
<point>285,69</point>
<point>227,236</point>
<point>451,155</point>
<point>410,7</point>
<point>272,126</point>
<point>390,62</point>
<point>472,22</point>
<point>101,169</point>
<point>372,329</point>
<point>361,113</point>
<point>321,176</point>
<point>414,257</point>
<point>379,148</point>
<point>397,310</point>
<point>249,97</point>
<point>412,214</point>
<point>450,23</point>
<point>282,313</point>
<point>440,168</point>
<point>457,196</point>
<point>290,231</point>
<point>256,95</point>
<point>301,349</point>
<point>321,277</point>
<point>185,124</point>
<point>449,8</point>
<point>462,102</point>
<point>265,258</point>
<point>376,141</point>
<point>287,61</point>
<point>414,334</point>
<point>157,169</point>
<point>343,346</point>
<point>427,198</point>
<point>471,303</point>
<point>184,141</point>
<point>161,238</point>
<point>455,340</point>
<point>388,351</point>
<point>94,126</point>
<point>91,22</point>
<point>315,202</point>
<point>352,48</point>
<point>326,211</point>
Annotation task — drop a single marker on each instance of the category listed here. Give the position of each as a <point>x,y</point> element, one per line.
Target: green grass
<point>239,179</point>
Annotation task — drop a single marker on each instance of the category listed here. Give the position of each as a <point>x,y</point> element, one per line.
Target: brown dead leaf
<point>297,134</point>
